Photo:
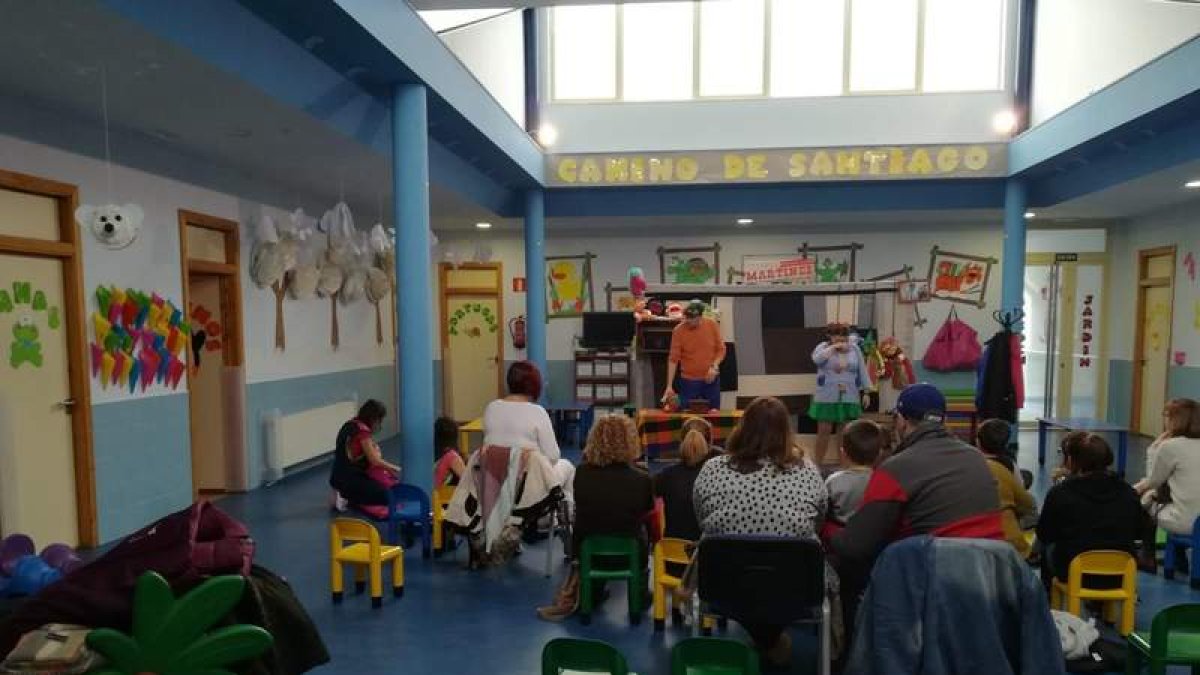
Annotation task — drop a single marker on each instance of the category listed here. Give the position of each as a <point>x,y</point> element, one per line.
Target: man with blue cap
<point>933,483</point>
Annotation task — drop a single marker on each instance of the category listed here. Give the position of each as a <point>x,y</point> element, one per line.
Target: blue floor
<point>451,621</point>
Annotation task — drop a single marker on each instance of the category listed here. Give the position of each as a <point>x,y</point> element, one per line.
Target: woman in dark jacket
<point>357,457</point>
<point>1092,509</point>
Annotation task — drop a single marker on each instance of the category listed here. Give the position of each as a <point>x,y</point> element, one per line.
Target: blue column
<point>529,24</point>
<point>1012,292</point>
<point>414,292</point>
<point>535,279</point>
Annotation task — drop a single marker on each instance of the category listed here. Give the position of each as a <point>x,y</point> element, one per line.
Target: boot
<point>566,601</point>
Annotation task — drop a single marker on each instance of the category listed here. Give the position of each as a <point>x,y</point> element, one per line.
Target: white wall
<point>1178,226</point>
<point>494,51</point>
<point>1081,46</point>
<point>776,123</point>
<point>883,252</point>
<point>152,263</point>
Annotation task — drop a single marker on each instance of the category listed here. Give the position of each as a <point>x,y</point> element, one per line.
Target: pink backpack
<point>955,347</point>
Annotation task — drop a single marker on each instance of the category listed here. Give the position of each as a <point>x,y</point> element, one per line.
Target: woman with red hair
<point>518,421</point>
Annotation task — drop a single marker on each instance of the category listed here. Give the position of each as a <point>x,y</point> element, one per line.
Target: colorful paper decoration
<point>569,285</point>
<point>25,347</point>
<point>959,277</point>
<point>6,303</point>
<point>22,292</point>
<point>138,338</point>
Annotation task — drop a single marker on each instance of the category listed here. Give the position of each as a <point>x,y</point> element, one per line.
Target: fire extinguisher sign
<point>518,284</point>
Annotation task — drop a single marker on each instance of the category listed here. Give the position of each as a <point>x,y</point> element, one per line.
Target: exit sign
<point>1066,257</point>
<point>518,284</point>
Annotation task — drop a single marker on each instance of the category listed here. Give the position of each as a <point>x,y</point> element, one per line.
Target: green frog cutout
<point>828,272</point>
<point>691,271</point>
<point>25,347</point>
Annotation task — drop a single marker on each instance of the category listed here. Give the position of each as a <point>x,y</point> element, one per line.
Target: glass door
<point>1064,365</point>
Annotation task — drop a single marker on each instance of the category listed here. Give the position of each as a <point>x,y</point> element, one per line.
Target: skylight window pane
<point>883,45</point>
<point>964,45</point>
<point>584,52</point>
<point>807,40</point>
<point>447,19</point>
<point>731,47</point>
<point>657,51</point>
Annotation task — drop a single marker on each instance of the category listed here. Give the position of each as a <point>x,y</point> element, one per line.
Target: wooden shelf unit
<point>602,377</point>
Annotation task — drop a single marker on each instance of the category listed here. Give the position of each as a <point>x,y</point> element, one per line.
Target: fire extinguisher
<point>516,328</point>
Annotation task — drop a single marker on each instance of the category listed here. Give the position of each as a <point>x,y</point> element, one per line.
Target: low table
<point>1045,424</point>
<point>660,431</point>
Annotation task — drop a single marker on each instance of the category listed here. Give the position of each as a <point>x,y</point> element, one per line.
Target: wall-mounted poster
<point>694,265</point>
<point>959,277</point>
<point>833,263</point>
<point>912,292</point>
<point>778,269</point>
<point>569,285</point>
<point>618,298</point>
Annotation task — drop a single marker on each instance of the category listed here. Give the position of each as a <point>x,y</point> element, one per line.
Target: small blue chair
<point>408,505</point>
<point>1176,541</point>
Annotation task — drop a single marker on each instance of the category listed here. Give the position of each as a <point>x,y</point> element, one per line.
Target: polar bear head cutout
<point>114,226</point>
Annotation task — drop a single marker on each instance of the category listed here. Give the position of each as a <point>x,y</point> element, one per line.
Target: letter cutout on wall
<point>26,306</point>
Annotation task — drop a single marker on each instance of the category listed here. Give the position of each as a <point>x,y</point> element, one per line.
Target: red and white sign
<point>775,269</point>
<point>518,284</point>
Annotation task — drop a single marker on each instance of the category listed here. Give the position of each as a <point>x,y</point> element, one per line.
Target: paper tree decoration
<point>138,339</point>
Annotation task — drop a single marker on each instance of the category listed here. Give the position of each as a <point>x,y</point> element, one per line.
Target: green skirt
<point>834,412</point>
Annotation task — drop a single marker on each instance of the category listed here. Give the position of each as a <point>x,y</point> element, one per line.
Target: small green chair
<point>588,656</point>
<point>713,656</point>
<point>1174,639</point>
<point>610,548</point>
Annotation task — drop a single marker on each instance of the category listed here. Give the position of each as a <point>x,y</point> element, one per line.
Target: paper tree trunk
<point>378,324</point>
<point>280,338</point>
<point>334,338</point>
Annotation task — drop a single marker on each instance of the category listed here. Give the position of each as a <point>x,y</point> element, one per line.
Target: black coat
<point>995,396</point>
<point>1089,513</point>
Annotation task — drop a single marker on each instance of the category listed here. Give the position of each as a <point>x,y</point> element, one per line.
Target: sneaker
<point>339,502</point>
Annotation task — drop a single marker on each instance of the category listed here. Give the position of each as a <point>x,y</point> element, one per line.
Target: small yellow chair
<point>1069,596</point>
<point>366,555</point>
<point>668,550</point>
<point>441,499</point>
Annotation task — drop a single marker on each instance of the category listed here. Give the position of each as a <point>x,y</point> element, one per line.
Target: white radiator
<point>299,437</point>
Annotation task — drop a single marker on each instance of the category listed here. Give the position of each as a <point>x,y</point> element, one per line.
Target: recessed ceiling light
<point>547,134</point>
<point>1004,122</point>
<point>1193,184</point>
<point>1030,215</point>
<point>745,221</point>
<point>483,226</point>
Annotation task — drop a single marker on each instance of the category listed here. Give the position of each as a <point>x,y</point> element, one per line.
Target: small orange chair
<point>441,499</point>
<point>1069,596</point>
<point>366,555</point>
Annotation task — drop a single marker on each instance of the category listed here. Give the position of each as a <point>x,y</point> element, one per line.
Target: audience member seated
<point>933,483</point>
<point>1015,501</point>
<point>612,497</point>
<point>1171,489</point>
<point>675,483</point>
<point>517,421</point>
<point>1091,509</point>
<point>762,486</point>
<point>360,475</point>
<point>448,466</point>
<point>862,441</point>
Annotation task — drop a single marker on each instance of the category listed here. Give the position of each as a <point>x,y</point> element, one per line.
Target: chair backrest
<point>407,492</point>
<point>442,495</point>
<point>342,530</point>
<point>713,655</point>
<point>1102,563</point>
<point>589,656</point>
<point>674,550</point>
<point>761,579</point>
<point>609,545</point>
<point>1175,619</point>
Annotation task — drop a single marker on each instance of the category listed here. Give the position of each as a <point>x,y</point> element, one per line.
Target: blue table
<point>1045,424</point>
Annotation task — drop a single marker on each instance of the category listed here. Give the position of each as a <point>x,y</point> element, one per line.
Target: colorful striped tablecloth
<point>659,431</point>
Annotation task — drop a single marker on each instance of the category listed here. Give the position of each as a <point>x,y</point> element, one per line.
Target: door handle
<point>67,404</point>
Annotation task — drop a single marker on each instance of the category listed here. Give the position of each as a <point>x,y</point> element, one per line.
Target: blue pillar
<point>535,279</point>
<point>1012,291</point>
<point>529,19</point>
<point>414,292</point>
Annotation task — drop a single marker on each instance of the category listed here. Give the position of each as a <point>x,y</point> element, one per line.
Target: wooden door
<point>1156,270</point>
<point>473,332</point>
<point>46,478</point>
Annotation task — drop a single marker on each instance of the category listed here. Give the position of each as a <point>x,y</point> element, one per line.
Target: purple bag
<point>185,547</point>
<point>955,347</point>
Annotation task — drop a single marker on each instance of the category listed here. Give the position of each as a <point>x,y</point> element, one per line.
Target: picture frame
<point>618,298</point>
<point>569,290</point>
<point>703,267</point>
<point>913,291</point>
<point>959,277</point>
<point>840,262</point>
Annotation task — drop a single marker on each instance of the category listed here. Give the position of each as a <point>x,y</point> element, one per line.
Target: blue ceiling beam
<point>1155,85</point>
<point>790,198</point>
<point>236,41</point>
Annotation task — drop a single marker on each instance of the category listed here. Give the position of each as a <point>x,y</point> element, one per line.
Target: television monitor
<point>607,330</point>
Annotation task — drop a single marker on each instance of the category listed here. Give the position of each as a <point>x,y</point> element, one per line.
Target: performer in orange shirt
<point>697,350</point>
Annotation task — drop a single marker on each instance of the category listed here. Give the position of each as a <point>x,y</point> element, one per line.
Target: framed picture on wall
<point>618,298</point>
<point>833,264</point>
<point>694,265</point>
<point>959,277</point>
<point>569,290</point>
<point>912,292</point>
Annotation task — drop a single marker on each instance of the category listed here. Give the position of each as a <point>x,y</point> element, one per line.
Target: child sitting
<point>448,466</point>
<point>1015,501</point>
<point>675,483</point>
<point>862,442</point>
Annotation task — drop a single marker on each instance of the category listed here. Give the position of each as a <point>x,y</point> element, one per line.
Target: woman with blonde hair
<point>675,483</point>
<point>1171,489</point>
<point>612,496</point>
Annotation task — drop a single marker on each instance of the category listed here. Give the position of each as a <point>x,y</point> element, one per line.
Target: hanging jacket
<point>951,606</point>
<point>996,396</point>
<point>268,602</point>
<point>1017,368</point>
